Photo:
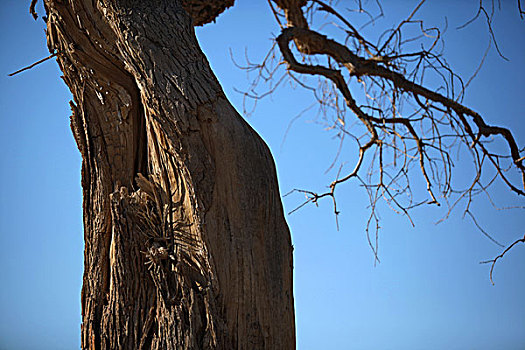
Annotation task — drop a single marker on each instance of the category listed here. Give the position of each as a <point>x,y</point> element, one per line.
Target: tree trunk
<point>186,245</point>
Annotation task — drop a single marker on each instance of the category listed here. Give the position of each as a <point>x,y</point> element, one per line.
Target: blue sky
<point>428,292</point>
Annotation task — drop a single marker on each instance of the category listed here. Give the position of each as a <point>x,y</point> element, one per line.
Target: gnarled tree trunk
<point>186,246</point>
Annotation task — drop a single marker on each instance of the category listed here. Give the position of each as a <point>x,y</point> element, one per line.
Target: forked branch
<point>402,123</point>
<point>493,261</point>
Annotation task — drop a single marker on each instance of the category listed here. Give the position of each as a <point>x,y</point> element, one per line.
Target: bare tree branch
<point>493,261</point>
<point>32,10</point>
<point>34,64</point>
<point>405,129</point>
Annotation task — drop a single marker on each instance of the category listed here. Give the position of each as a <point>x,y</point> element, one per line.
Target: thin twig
<point>493,261</point>
<point>482,230</point>
<point>34,64</point>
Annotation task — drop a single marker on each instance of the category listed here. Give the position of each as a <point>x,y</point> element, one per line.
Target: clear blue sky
<point>429,292</point>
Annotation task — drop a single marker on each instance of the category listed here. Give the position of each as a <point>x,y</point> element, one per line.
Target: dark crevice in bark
<point>108,123</point>
<point>140,165</point>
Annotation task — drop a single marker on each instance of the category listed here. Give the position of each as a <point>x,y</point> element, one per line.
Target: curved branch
<point>393,81</point>
<point>493,261</point>
<point>311,42</point>
<point>32,10</point>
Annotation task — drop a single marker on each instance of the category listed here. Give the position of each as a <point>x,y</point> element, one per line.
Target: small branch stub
<point>34,64</point>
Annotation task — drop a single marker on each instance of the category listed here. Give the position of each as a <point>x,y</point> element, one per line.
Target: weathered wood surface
<point>186,245</point>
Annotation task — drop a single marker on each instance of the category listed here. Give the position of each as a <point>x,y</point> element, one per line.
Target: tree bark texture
<point>186,245</point>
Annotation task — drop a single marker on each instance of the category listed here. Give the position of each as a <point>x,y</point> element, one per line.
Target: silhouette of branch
<point>404,129</point>
<point>32,10</point>
<point>34,64</point>
<point>493,261</point>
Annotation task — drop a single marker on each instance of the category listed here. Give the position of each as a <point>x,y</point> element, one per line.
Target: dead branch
<point>493,261</point>
<point>32,10</point>
<point>34,64</point>
<point>404,129</point>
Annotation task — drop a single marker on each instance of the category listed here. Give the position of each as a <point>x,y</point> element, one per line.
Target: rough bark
<point>186,245</point>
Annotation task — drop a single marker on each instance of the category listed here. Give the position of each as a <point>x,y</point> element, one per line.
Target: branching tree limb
<point>493,261</point>
<point>406,122</point>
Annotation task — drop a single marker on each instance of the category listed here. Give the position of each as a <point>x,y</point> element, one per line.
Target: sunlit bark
<point>186,245</point>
